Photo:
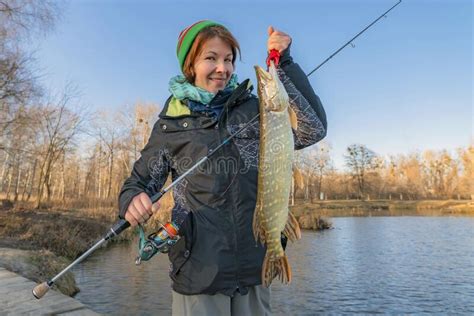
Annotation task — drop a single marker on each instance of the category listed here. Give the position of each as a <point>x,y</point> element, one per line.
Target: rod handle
<point>40,290</point>
<point>118,227</point>
<point>157,196</point>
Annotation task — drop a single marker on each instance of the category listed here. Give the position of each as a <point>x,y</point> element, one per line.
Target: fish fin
<point>273,268</point>
<point>293,119</point>
<point>292,229</point>
<point>298,178</point>
<point>258,231</point>
<point>256,222</point>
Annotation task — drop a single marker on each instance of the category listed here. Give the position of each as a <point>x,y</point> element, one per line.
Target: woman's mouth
<point>218,80</point>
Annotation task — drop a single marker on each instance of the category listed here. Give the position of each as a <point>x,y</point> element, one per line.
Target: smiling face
<point>213,67</point>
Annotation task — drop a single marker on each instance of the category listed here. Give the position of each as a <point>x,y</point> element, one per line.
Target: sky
<point>406,85</point>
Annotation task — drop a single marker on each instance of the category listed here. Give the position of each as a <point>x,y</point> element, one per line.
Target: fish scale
<point>272,216</point>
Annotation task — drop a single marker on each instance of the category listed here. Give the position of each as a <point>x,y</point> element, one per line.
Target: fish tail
<point>292,229</point>
<point>273,268</point>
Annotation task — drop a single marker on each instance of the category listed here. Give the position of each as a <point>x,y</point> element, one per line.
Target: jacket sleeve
<point>149,172</point>
<point>312,124</point>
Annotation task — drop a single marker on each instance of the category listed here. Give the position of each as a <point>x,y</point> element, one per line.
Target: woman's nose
<point>220,66</point>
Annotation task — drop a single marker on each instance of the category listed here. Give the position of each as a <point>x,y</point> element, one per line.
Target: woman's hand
<point>277,40</point>
<point>140,209</point>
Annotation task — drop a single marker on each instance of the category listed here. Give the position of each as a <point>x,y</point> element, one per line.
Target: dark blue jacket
<point>214,206</point>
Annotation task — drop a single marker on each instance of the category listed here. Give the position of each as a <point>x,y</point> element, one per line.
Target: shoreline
<point>37,244</point>
<point>358,208</point>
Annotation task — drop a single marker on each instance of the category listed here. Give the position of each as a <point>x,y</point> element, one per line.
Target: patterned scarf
<point>181,89</point>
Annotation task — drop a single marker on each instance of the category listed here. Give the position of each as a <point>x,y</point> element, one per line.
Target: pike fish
<point>272,216</point>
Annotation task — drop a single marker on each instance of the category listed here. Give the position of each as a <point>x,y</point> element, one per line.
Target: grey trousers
<point>256,302</point>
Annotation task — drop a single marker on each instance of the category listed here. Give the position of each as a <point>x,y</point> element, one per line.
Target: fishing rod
<point>168,232</point>
<point>350,41</point>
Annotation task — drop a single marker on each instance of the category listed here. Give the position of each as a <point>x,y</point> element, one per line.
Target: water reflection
<point>363,265</point>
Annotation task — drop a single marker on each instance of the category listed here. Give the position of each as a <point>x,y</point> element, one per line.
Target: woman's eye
<point>228,60</point>
<point>210,58</point>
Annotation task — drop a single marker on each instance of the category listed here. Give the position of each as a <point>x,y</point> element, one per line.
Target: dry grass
<point>65,230</point>
<point>64,234</point>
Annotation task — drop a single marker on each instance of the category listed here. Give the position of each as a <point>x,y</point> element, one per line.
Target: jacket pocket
<point>178,256</point>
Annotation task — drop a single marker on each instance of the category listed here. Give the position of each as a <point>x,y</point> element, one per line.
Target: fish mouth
<point>262,73</point>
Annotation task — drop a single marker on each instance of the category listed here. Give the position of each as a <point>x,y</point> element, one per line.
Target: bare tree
<point>466,186</point>
<point>360,160</point>
<point>441,173</point>
<point>58,127</point>
<point>17,151</point>
<point>320,164</point>
<point>138,125</point>
<point>314,162</point>
<point>108,131</point>
<point>19,20</point>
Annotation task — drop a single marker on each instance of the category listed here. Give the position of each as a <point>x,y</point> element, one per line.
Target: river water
<point>395,265</point>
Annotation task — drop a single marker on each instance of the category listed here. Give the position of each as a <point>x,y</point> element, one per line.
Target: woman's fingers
<point>137,211</point>
<point>131,216</point>
<point>270,30</point>
<point>140,209</point>
<point>140,214</point>
<point>145,201</point>
<point>277,40</point>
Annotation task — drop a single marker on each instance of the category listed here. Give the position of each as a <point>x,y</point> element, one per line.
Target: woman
<point>216,266</point>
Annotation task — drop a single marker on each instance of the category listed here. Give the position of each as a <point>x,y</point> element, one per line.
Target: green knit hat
<point>187,37</point>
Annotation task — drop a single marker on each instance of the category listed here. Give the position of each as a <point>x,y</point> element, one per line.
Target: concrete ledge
<point>16,298</point>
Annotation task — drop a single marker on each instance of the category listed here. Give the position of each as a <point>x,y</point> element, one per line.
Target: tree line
<point>51,152</point>
<point>366,175</point>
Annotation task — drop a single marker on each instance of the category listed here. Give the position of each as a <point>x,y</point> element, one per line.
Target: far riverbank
<point>349,208</point>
